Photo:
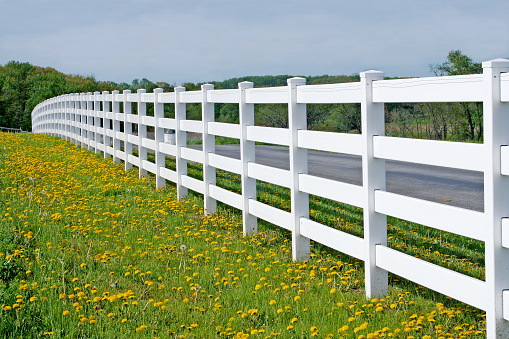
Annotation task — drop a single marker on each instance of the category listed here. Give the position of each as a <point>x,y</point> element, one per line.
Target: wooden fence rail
<point>95,121</point>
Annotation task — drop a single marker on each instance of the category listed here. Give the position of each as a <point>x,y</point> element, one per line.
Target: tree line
<point>23,86</point>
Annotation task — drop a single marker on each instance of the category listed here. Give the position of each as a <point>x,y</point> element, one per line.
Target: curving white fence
<point>86,119</point>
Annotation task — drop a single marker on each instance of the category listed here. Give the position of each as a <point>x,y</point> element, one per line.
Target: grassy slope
<point>87,250</point>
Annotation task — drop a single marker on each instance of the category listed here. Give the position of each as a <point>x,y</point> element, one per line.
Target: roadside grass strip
<point>90,251</point>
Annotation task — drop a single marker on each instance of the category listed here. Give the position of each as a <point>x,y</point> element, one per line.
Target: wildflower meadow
<point>88,250</point>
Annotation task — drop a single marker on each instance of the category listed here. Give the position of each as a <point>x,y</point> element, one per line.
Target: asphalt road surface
<point>454,187</point>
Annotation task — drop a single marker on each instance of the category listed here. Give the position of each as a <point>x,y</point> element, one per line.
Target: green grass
<point>88,250</point>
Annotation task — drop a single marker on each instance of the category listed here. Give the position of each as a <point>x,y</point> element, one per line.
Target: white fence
<point>79,118</point>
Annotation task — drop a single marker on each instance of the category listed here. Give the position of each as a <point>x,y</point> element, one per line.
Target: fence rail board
<point>333,238</point>
<point>458,286</point>
<point>330,142</point>
<point>451,219</point>
<point>430,152</point>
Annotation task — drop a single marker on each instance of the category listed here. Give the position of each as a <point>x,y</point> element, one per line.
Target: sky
<point>213,40</point>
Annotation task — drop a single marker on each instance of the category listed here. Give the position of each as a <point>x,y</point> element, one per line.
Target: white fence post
<point>63,111</point>
<point>69,118</point>
<point>97,137</point>
<point>142,133</point>
<point>75,116</point>
<point>247,155</point>
<point>208,146</point>
<point>80,122</point>
<point>180,141</point>
<point>297,120</point>
<point>63,116</point>
<point>89,119</point>
<point>373,178</point>
<point>106,125</point>
<point>66,117</point>
<point>51,117</point>
<point>60,114</point>
<point>128,130</point>
<point>46,118</point>
<point>496,197</point>
<point>115,108</point>
<point>56,120</point>
<point>159,137</point>
<point>84,123</point>
<point>82,112</point>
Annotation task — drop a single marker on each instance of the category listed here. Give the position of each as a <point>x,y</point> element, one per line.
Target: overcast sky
<point>213,40</point>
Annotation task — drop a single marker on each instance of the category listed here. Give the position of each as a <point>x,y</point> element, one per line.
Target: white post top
<point>115,92</point>
<point>372,74</point>
<point>179,89</point>
<point>207,86</point>
<point>142,90</point>
<point>245,84</point>
<point>106,92</point>
<point>296,81</point>
<point>126,91</point>
<point>97,93</point>
<point>496,63</point>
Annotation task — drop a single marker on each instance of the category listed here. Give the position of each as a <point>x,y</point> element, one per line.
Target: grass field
<point>89,251</point>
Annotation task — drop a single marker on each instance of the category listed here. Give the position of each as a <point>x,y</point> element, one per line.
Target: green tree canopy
<point>457,63</point>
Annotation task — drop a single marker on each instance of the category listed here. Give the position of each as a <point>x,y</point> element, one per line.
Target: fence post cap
<point>496,63</point>
<point>296,81</point>
<point>245,84</point>
<point>372,74</point>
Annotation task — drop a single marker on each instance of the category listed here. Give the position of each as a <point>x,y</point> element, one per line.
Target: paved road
<point>449,186</point>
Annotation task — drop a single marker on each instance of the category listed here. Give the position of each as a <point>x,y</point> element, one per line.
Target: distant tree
<point>271,115</point>
<point>15,92</point>
<point>227,113</point>
<point>44,86</point>
<point>457,63</point>
<point>135,85</point>
<point>164,85</point>
<point>191,86</point>
<point>107,86</point>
